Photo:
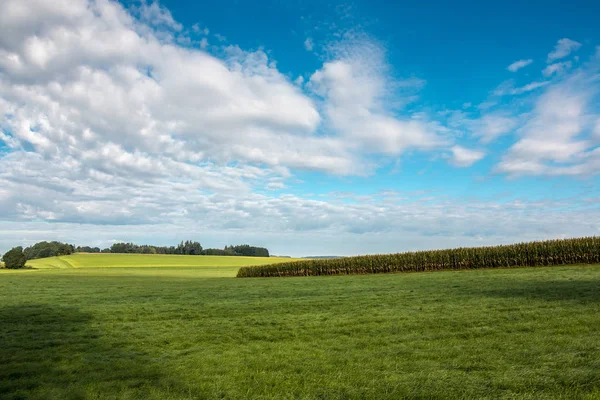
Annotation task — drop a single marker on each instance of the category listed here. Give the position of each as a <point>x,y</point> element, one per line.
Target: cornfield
<point>550,252</point>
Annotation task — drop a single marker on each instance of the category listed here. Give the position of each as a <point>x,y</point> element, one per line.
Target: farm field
<point>584,250</point>
<point>133,332</point>
<point>159,264</point>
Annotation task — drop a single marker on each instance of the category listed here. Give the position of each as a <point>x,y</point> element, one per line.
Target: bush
<point>15,258</point>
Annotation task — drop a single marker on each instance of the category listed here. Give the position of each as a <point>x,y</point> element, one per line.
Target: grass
<point>208,266</point>
<point>173,333</point>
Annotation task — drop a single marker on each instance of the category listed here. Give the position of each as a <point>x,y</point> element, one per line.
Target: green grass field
<point>177,333</point>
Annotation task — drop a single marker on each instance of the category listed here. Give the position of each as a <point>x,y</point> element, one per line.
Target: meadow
<point>152,264</point>
<point>179,332</point>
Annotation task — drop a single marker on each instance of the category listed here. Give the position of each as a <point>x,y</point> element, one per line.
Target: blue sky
<point>308,127</point>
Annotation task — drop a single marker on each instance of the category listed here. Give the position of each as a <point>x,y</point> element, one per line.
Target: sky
<point>307,127</point>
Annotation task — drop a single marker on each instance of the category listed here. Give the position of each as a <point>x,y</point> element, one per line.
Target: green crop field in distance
<point>209,266</point>
<point>175,333</point>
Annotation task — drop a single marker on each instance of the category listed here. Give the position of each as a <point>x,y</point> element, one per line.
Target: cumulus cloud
<point>355,90</point>
<point>484,125</point>
<point>557,68</point>
<point>554,125</point>
<point>112,130</point>
<point>84,72</point>
<point>108,120</point>
<point>155,15</point>
<point>517,65</point>
<point>490,126</point>
<point>463,157</point>
<point>556,138</point>
<point>563,48</point>
<point>196,28</point>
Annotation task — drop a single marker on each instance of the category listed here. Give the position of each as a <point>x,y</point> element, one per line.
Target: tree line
<point>185,248</point>
<point>17,257</point>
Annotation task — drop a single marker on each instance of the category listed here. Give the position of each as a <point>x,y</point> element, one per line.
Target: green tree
<point>15,258</point>
<point>48,249</point>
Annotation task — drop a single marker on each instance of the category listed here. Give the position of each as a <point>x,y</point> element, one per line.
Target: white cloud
<point>557,68</point>
<point>355,89</point>
<point>275,185</point>
<point>482,124</point>
<point>155,15</point>
<point>308,44</point>
<point>9,140</point>
<point>463,157</point>
<point>555,140</point>
<point>517,65</point>
<point>115,131</point>
<point>563,48</point>
<point>110,121</point>
<point>490,126</point>
<point>81,69</point>
<point>294,225</point>
<point>76,81</point>
<point>507,88</point>
<point>197,29</point>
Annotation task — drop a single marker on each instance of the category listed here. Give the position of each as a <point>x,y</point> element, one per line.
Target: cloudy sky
<point>308,127</point>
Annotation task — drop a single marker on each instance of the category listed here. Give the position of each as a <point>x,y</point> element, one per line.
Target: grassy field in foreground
<point>530,333</point>
<point>209,265</point>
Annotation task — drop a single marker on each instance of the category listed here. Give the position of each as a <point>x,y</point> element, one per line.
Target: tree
<point>48,249</point>
<point>190,248</point>
<point>248,251</point>
<point>87,249</point>
<point>15,258</point>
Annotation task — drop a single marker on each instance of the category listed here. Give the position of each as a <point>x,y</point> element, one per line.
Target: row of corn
<point>550,252</point>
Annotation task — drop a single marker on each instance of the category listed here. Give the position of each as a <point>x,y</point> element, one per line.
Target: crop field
<point>152,264</point>
<point>181,333</point>
<point>541,253</point>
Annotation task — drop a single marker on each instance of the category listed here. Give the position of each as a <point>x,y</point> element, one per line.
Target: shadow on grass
<point>55,353</point>
<point>579,290</point>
